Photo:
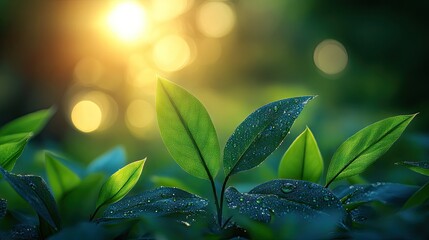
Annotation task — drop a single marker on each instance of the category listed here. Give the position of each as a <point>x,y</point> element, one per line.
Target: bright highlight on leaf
<point>187,130</point>
<point>33,122</point>
<point>120,183</point>
<point>419,167</point>
<point>61,179</point>
<point>10,152</point>
<point>302,161</point>
<point>366,146</point>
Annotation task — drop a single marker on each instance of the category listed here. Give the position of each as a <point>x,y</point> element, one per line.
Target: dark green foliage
<point>420,167</point>
<point>3,207</point>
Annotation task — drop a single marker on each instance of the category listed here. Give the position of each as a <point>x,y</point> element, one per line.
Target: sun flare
<point>128,21</point>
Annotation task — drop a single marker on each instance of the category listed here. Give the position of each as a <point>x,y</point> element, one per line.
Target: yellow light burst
<point>86,116</point>
<point>128,21</point>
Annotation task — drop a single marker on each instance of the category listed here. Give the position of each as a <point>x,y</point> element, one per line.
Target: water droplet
<point>32,185</point>
<point>258,201</point>
<point>288,187</point>
<point>148,200</point>
<point>241,199</point>
<point>276,108</point>
<point>326,198</point>
<point>272,210</point>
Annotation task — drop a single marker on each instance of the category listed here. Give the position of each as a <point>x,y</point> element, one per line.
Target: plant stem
<point>95,213</point>
<point>216,199</point>
<point>222,196</point>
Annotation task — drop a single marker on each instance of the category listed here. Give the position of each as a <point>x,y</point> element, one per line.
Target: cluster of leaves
<point>271,210</point>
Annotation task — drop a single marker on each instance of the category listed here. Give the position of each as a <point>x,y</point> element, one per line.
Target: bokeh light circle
<point>330,57</point>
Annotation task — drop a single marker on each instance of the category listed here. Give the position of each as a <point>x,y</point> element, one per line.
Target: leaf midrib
<point>122,187</point>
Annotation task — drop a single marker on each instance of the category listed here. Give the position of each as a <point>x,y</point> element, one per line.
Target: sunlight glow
<point>171,53</point>
<point>164,10</point>
<point>128,21</point>
<point>330,57</point>
<point>88,71</point>
<point>86,116</point>
<point>139,118</point>
<point>215,19</point>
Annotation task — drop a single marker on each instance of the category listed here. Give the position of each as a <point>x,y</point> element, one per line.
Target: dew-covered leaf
<point>3,207</point>
<point>83,231</point>
<point>33,189</point>
<point>33,122</point>
<point>158,202</point>
<point>21,232</point>
<point>419,167</point>
<point>109,162</point>
<point>419,197</point>
<point>365,147</point>
<point>163,181</point>
<point>260,134</point>
<point>120,183</point>
<point>282,197</point>
<point>187,130</point>
<point>386,193</point>
<point>10,152</point>
<point>302,161</point>
<point>61,179</point>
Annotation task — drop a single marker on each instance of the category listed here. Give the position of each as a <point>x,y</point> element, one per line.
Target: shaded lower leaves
<point>21,232</point>
<point>3,207</point>
<point>386,193</point>
<point>419,167</point>
<point>109,162</point>
<point>419,197</point>
<point>33,189</point>
<point>282,197</point>
<point>158,202</point>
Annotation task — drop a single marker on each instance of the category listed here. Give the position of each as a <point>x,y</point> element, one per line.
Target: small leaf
<point>158,202</point>
<point>282,197</point>
<point>33,122</point>
<point>419,167</point>
<point>419,197</point>
<point>33,189</point>
<point>60,177</point>
<point>302,161</point>
<point>109,162</point>
<point>13,138</point>
<point>120,183</point>
<point>366,146</point>
<point>187,130</point>
<point>260,134</point>
<point>10,152</point>
<point>3,207</point>
<point>386,193</point>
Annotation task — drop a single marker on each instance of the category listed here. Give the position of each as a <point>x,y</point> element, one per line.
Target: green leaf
<point>365,147</point>
<point>282,197</point>
<point>33,189</point>
<point>386,193</point>
<point>158,202</point>
<point>419,197</point>
<point>60,177</point>
<point>187,130</point>
<point>260,134</point>
<point>33,122</point>
<point>109,162</point>
<point>419,167</point>
<point>302,161</point>
<point>162,181</point>
<point>13,138</point>
<point>84,231</point>
<point>120,183</point>
<point>10,152</point>
<point>3,207</point>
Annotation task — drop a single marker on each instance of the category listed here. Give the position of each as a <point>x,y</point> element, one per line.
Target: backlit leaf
<point>33,122</point>
<point>365,147</point>
<point>61,179</point>
<point>260,134</point>
<point>33,189</point>
<point>10,152</point>
<point>419,197</point>
<point>187,130</point>
<point>282,197</point>
<point>419,167</point>
<point>302,161</point>
<point>120,183</point>
<point>157,202</point>
<point>109,162</point>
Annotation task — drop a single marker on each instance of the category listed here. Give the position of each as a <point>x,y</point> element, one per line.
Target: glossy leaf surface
<point>120,183</point>
<point>61,179</point>
<point>187,130</point>
<point>365,147</point>
<point>33,122</point>
<point>302,161</point>
<point>157,202</point>
<point>10,152</point>
<point>260,134</point>
<point>33,189</point>
<point>282,197</point>
<point>419,167</point>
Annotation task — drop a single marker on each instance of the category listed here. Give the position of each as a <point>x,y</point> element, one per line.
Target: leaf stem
<point>222,196</point>
<point>95,213</point>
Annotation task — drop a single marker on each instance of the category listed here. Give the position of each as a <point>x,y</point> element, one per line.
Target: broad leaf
<point>366,146</point>
<point>21,232</point>
<point>10,152</point>
<point>158,202</point>
<point>187,130</point>
<point>13,138</point>
<point>302,161</point>
<point>33,122</point>
<point>109,162</point>
<point>120,183</point>
<point>3,207</point>
<point>419,197</point>
<point>33,189</point>
<point>61,179</point>
<point>419,167</point>
<point>386,193</point>
<point>282,197</point>
<point>84,231</point>
<point>260,134</point>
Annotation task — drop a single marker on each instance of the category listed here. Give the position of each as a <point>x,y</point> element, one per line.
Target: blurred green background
<point>97,61</point>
